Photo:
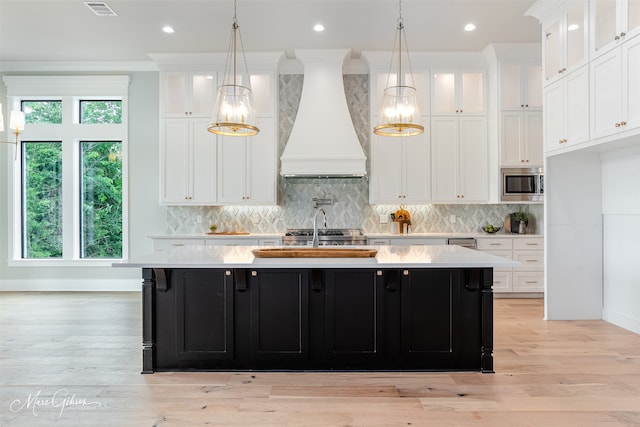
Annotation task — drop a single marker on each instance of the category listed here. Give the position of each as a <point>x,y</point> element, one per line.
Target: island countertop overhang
<point>436,256</point>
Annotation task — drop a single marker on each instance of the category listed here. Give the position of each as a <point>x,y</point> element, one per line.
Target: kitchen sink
<point>322,252</point>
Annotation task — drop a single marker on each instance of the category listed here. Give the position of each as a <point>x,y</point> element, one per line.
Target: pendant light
<point>234,113</point>
<point>399,105</point>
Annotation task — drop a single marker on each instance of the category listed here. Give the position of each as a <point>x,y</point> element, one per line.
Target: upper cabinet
<point>613,22</point>
<point>615,90</point>
<point>198,167</point>
<point>187,159</point>
<point>458,93</point>
<point>400,170</point>
<point>247,167</point>
<point>188,94</point>
<point>566,110</point>
<point>520,86</point>
<point>521,114</point>
<point>565,40</point>
<point>459,161</point>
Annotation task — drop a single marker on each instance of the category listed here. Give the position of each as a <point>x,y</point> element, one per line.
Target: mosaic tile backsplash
<point>351,208</point>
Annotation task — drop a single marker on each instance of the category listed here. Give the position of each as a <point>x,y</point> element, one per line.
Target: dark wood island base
<point>301,319</point>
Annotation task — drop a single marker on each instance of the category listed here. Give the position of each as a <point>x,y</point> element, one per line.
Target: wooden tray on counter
<point>228,233</point>
<point>296,252</point>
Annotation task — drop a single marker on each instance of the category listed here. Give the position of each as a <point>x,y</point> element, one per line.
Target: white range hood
<point>323,141</point>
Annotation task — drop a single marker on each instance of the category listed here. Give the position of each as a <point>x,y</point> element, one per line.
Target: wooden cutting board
<point>303,252</point>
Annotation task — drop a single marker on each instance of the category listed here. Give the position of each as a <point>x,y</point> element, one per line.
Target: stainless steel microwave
<point>522,185</point>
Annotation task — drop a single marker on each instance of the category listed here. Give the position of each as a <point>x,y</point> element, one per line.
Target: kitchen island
<point>407,308</point>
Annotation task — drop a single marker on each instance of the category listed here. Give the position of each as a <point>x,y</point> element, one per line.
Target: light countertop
<point>439,256</point>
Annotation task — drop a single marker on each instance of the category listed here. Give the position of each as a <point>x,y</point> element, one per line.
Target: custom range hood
<point>323,142</point>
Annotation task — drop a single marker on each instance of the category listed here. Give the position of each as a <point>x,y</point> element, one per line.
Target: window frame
<point>69,89</point>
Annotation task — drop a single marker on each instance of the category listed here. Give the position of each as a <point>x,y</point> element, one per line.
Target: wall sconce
<point>16,124</point>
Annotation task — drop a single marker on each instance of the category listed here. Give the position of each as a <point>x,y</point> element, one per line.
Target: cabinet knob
<point>616,38</point>
<point>617,125</point>
<point>522,105</point>
<point>623,123</point>
<point>622,34</point>
<point>526,105</point>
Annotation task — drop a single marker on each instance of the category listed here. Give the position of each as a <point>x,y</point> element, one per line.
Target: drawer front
<point>494,244</point>
<point>160,245</point>
<point>529,243</point>
<point>528,282</point>
<point>378,241</point>
<point>529,260</point>
<point>232,242</point>
<point>270,242</point>
<point>502,281</point>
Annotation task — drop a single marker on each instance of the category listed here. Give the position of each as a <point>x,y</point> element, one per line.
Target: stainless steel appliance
<point>465,242</point>
<point>326,237</point>
<point>522,185</point>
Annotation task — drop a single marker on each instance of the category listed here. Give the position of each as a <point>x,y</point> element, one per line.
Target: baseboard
<point>77,285</point>
<point>623,320</point>
<point>518,295</point>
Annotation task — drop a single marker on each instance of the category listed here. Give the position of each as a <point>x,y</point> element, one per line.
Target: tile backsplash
<point>351,208</point>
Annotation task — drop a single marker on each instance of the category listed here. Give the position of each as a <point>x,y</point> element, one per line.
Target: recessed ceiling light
<point>573,27</point>
<point>469,27</point>
<point>168,29</point>
<point>318,28</point>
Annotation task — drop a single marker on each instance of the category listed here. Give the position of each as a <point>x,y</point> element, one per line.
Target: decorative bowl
<point>491,229</point>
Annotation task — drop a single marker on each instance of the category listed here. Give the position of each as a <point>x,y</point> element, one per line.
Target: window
<point>69,206</point>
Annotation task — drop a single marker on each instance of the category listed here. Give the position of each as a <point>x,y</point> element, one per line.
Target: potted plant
<point>516,218</point>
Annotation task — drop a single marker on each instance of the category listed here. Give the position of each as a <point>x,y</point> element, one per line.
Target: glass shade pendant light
<point>399,106</point>
<point>234,113</point>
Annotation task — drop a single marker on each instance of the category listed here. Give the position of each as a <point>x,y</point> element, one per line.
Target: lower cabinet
<point>528,251</point>
<point>322,319</point>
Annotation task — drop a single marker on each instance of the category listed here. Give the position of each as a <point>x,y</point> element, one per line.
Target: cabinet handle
<point>531,281</point>
<point>495,244</point>
<point>531,260</point>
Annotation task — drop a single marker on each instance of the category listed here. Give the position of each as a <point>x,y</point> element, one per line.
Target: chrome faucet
<point>314,242</point>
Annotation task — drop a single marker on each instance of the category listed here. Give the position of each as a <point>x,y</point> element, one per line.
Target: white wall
<point>146,216</point>
<point>573,237</point>
<point>621,236</point>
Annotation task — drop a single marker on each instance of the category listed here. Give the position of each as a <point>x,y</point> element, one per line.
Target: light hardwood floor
<point>74,359</point>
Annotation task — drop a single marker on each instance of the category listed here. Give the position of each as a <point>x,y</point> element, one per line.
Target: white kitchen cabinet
<point>566,110</point>
<point>615,89</point>
<point>247,167</point>
<point>406,241</point>
<point>163,245</point>
<point>187,162</point>
<point>459,161</point>
<point>400,169</point>
<point>521,141</point>
<point>520,86</point>
<point>529,251</point>
<point>460,92</point>
<point>187,94</point>
<point>612,23</point>
<point>565,40</point>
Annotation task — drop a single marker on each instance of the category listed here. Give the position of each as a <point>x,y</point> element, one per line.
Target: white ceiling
<point>67,30</point>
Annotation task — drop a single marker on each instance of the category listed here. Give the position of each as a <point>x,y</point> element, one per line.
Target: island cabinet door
<point>204,316</point>
<point>439,320</point>
<point>279,311</point>
<point>354,318</point>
